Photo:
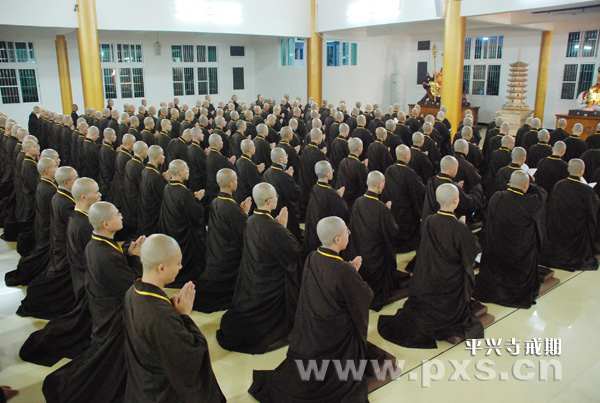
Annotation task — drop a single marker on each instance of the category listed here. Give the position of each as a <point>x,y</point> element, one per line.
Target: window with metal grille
<point>586,75</point>
<point>421,72</point>
<point>238,78</point>
<point>202,81</point>
<point>292,52</point>
<point>212,54</point>
<point>466,78</point>
<point>188,53</point>
<point>188,78</point>
<point>8,86</point>
<point>127,53</point>
<point>16,52</point>
<point>178,81</point>
<point>107,53</point>
<point>138,82</point>
<point>345,53</point>
<point>176,53</point>
<point>28,82</point>
<point>573,44</point>
<point>213,84</point>
<point>110,86</point>
<point>333,53</point>
<point>423,45</point>
<point>237,51</point>
<point>126,83</point>
<point>201,53</point>
<point>488,47</point>
<point>478,80</point>
<point>467,48</point>
<point>569,81</point>
<point>590,44</point>
<point>493,80</point>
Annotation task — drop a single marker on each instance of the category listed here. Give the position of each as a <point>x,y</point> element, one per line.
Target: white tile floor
<point>569,312</point>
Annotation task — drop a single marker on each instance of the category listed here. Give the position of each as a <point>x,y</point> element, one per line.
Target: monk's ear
<point>160,268</point>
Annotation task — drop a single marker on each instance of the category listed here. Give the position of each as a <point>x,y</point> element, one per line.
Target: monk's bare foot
<point>9,392</point>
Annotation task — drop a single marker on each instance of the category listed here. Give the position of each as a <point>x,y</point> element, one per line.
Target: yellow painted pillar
<point>542,79</point>
<point>454,49</point>
<point>89,54</point>
<point>64,75</point>
<point>314,58</point>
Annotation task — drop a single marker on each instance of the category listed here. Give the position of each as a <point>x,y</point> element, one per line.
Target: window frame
<point>125,57</point>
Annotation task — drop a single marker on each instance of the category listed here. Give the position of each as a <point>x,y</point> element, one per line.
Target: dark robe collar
<point>555,157</point>
<point>324,185</point>
<point>372,195</point>
<point>446,213</point>
<point>277,166</point>
<point>109,241</point>
<point>329,253</point>
<point>516,191</point>
<point>445,177</point>
<point>574,178</point>
<point>514,166</point>
<point>226,196</point>
<point>150,291</point>
<point>263,213</point>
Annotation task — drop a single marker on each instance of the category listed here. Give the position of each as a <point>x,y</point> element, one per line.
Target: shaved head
<point>128,139</point>
<point>577,129</point>
<point>354,144</point>
<point>177,166</point>
<point>322,168</point>
<point>576,167</point>
<point>157,249</point>
<point>187,135</point>
<point>83,186</point>
<point>246,145</point>
<point>461,146</point>
<point>45,164</point>
<point>518,155</point>
<point>277,153</point>
<point>28,145</point>
<point>140,147</point>
<point>225,176</point>
<point>418,138</point>
<point>466,133</point>
<point>263,192</point>
<point>543,135</point>
<point>448,163</point>
<point>508,141</point>
<point>402,151</point>
<point>330,228</point>
<point>65,174</point>
<point>316,135</point>
<point>375,178</point>
<point>154,151</point>
<point>520,180</point>
<point>380,133</point>
<point>214,139</point>
<point>446,195</point>
<point>101,212</point>
<point>559,148</point>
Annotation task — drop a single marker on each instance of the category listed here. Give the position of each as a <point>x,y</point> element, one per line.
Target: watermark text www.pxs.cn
<point>482,369</point>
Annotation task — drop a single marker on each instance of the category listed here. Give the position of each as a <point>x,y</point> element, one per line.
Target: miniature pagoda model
<point>515,111</point>
<point>516,87</point>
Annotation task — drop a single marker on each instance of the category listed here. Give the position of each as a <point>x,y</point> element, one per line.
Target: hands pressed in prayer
<point>461,183</point>
<point>357,262</point>
<point>341,191</point>
<point>261,167</point>
<point>366,162</point>
<point>135,248</point>
<point>282,218</point>
<point>206,150</point>
<point>166,175</point>
<point>199,194</point>
<point>228,132</point>
<point>324,149</point>
<point>232,159</point>
<point>184,301</point>
<point>426,153</point>
<point>272,145</point>
<point>463,219</point>
<point>290,171</point>
<point>119,148</point>
<point>389,204</point>
<point>246,204</point>
<point>297,148</point>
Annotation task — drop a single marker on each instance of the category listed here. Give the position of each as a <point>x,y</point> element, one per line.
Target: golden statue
<point>436,84</point>
<point>592,96</point>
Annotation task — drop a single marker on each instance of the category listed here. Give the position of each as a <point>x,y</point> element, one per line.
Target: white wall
<point>269,17</point>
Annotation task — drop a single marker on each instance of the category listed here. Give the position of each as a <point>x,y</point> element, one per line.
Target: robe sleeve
<point>357,296</point>
<point>181,351</point>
